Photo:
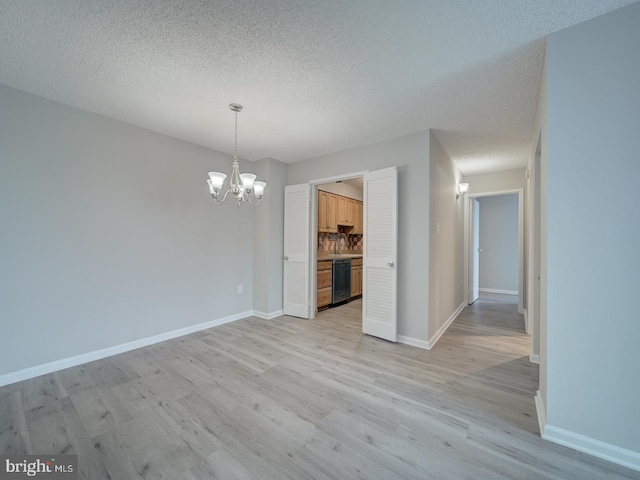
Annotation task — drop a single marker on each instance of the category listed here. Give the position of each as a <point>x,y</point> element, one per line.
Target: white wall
<point>499,242</point>
<point>108,235</point>
<point>410,153</point>
<point>446,266</point>
<point>593,230</point>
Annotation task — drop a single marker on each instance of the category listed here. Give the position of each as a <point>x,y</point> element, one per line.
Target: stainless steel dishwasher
<point>341,286</point>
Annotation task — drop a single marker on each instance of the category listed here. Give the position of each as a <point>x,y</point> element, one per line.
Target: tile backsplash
<point>325,244</point>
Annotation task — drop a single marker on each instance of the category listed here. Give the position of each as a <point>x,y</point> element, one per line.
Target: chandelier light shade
<point>241,185</point>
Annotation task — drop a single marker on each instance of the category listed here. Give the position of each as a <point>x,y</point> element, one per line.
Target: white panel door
<point>474,274</point>
<point>296,250</point>
<point>379,304</point>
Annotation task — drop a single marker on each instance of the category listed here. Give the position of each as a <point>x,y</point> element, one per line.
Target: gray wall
<point>536,221</point>
<point>497,181</point>
<point>269,238</point>
<point>108,234</point>
<point>534,264</point>
<point>446,253</point>
<point>499,242</point>
<point>410,153</point>
<point>593,229</point>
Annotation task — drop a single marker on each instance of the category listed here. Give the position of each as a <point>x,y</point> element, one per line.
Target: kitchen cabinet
<point>351,211</point>
<point>358,227</point>
<point>327,212</point>
<point>343,211</point>
<point>346,211</point>
<point>336,210</point>
<point>324,281</point>
<point>356,277</point>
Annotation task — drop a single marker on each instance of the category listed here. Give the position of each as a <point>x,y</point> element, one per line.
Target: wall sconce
<point>462,189</point>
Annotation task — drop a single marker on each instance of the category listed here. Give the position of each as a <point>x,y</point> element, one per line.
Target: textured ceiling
<point>314,77</point>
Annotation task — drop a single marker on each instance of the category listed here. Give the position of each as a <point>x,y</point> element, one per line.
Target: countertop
<point>334,256</point>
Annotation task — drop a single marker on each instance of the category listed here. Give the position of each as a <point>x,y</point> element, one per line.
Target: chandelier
<point>241,184</point>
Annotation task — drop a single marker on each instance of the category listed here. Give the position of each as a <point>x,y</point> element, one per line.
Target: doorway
<point>494,252</point>
<point>339,246</point>
<point>379,273</point>
<point>534,306</point>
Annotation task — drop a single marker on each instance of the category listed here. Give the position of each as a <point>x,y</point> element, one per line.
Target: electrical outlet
<point>240,289</point>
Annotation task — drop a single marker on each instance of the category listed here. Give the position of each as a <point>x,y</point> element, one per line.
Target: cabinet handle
<point>286,257</point>
<point>389,264</point>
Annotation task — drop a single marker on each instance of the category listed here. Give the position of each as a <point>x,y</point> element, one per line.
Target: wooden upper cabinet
<point>346,211</point>
<point>351,211</point>
<point>334,210</point>
<point>327,214</point>
<point>358,227</point>
<point>322,211</point>
<point>332,213</point>
<point>342,210</point>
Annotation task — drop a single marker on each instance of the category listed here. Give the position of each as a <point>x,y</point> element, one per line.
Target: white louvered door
<point>296,251</point>
<point>379,305</point>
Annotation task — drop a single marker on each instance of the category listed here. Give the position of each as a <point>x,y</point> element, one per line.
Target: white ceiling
<point>314,77</point>
<point>357,182</point>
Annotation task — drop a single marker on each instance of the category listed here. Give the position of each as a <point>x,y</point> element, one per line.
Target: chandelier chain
<point>235,148</point>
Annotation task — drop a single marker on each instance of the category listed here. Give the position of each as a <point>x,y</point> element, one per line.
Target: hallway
<point>490,364</point>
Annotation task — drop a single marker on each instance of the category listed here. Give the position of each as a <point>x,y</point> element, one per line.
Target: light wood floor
<point>296,399</point>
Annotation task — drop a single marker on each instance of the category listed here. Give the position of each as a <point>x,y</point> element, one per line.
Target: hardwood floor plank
<point>145,447</point>
<point>40,393</point>
<point>62,432</point>
<point>14,432</point>
<point>296,399</point>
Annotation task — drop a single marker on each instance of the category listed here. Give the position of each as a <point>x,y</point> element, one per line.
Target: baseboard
<point>534,358</point>
<point>541,412</point>
<point>495,290</point>
<point>414,342</point>
<point>597,448</point>
<point>428,345</point>
<point>76,360</point>
<point>268,316</point>
<point>434,339</point>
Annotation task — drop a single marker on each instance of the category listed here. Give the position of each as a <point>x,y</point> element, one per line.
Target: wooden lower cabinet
<point>325,279</point>
<point>356,277</point>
